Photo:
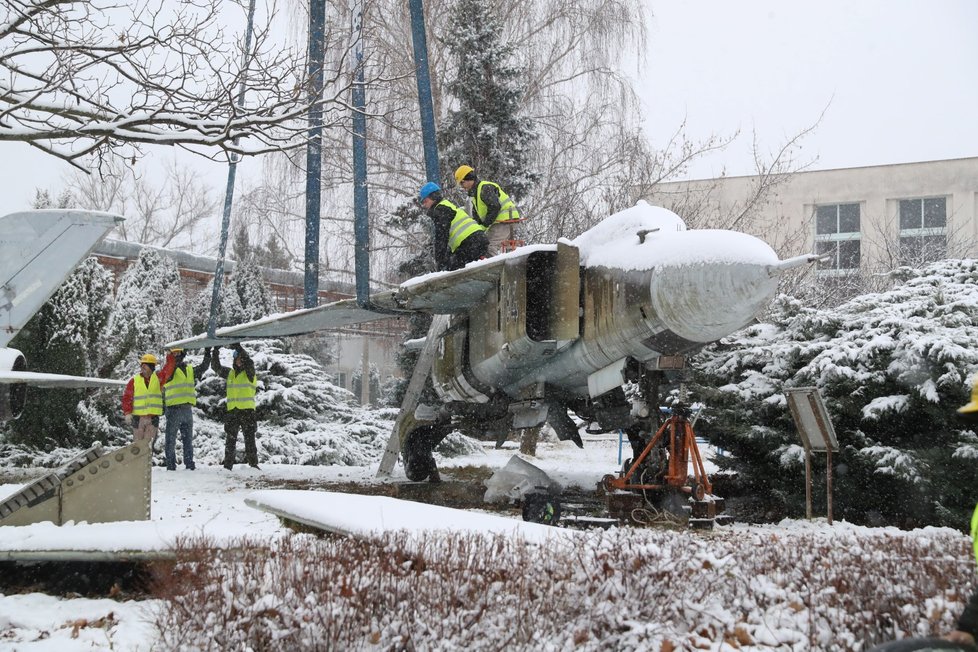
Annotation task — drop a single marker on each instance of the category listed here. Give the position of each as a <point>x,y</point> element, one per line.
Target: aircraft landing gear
<point>419,461</point>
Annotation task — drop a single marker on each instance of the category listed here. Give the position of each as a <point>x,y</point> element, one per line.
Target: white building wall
<point>877,189</point>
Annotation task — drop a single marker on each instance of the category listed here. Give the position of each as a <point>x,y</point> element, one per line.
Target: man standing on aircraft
<point>458,239</point>
<point>491,206</point>
<point>143,398</point>
<point>242,384</point>
<point>179,399</point>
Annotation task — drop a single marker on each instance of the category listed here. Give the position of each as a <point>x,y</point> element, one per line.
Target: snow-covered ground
<point>210,502</point>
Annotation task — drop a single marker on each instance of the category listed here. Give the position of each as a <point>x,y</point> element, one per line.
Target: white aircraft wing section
<point>368,517</point>
<point>36,379</point>
<point>298,322</point>
<point>38,249</point>
<point>445,293</point>
<point>437,293</point>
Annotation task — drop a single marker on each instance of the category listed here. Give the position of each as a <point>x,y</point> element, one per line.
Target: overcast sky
<point>896,80</point>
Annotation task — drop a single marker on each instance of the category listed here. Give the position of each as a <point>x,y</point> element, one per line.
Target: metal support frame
<point>683,450</point>
<point>229,190</point>
<point>439,324</point>
<point>314,149</point>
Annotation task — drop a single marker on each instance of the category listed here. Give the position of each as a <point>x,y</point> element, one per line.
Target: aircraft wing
<point>439,293</point>
<point>298,322</point>
<point>445,293</point>
<point>55,380</point>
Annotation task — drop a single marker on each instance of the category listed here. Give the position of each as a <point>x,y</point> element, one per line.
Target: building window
<point>923,230</point>
<point>837,234</point>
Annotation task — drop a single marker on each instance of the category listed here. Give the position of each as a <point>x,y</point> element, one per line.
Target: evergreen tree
<point>251,289</point>
<point>65,337</point>
<point>485,128</point>
<point>275,256</point>
<point>892,368</point>
<point>244,297</point>
<point>43,199</point>
<point>150,310</point>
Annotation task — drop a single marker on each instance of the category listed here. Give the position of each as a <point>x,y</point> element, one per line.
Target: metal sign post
<point>817,434</point>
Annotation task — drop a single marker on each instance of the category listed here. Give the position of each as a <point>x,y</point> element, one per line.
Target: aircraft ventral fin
<point>438,293</point>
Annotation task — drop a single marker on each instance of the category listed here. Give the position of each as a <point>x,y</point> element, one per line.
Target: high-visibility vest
<point>146,401</point>
<point>462,226</point>
<point>179,390</point>
<point>507,209</point>
<point>241,391</point>
<point>974,532</point>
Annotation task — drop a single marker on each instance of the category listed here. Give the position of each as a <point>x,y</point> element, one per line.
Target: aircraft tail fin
<point>38,249</point>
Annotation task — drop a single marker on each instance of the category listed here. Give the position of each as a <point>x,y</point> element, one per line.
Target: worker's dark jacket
<point>489,197</point>
<point>473,247</point>
<point>248,366</point>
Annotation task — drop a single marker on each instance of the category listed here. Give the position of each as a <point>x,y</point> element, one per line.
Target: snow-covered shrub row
<point>892,367</point>
<point>794,587</point>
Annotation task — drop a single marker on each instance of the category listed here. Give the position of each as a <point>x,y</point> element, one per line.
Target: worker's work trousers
<point>145,427</point>
<point>179,417</point>
<point>499,233</point>
<point>247,423</point>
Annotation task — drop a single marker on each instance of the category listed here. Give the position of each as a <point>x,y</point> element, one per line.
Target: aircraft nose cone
<point>708,284</point>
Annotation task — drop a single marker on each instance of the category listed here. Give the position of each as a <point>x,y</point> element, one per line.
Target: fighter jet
<point>525,337</point>
<point>38,249</point>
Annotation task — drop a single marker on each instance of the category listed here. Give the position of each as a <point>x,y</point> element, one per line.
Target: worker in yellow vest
<point>242,385</point>
<point>967,627</point>
<point>458,239</point>
<point>142,400</point>
<point>179,399</point>
<point>491,207</point>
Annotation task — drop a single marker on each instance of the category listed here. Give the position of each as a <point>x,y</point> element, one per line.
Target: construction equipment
<point>660,472</point>
<point>96,487</point>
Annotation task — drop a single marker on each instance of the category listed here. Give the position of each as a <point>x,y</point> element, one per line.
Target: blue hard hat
<point>427,189</point>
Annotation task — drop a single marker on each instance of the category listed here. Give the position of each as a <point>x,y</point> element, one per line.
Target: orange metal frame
<point>682,451</point>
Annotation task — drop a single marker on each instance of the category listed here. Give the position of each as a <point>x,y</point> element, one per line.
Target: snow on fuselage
<point>649,287</point>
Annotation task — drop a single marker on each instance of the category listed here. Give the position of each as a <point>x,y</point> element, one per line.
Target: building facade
<point>860,219</point>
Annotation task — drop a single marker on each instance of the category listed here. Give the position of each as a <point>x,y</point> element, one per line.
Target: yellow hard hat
<point>175,351</point>
<point>971,407</point>
<point>148,358</point>
<point>462,172</point>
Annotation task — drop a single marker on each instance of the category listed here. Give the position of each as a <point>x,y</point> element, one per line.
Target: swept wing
<point>438,293</point>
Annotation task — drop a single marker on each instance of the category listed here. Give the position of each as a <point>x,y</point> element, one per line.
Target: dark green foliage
<point>892,368</point>
<point>485,128</point>
<point>244,297</point>
<point>65,337</point>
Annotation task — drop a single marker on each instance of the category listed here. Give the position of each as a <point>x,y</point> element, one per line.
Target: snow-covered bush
<point>892,367</point>
<point>805,588</point>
